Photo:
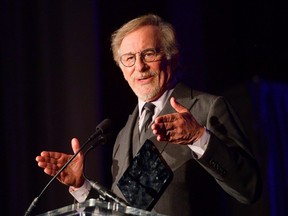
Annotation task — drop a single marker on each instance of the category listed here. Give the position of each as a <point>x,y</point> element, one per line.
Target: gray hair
<point>167,35</point>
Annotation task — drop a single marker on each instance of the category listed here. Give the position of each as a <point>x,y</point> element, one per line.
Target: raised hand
<point>179,127</point>
<point>51,162</point>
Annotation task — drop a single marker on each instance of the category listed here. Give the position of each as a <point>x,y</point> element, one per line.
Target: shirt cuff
<point>201,144</point>
<point>80,194</point>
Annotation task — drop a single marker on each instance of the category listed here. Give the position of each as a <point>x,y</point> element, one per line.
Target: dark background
<point>58,81</point>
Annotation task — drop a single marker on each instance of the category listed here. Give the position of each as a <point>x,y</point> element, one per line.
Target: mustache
<point>143,75</point>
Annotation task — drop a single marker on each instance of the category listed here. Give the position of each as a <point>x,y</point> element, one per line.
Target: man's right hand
<point>72,175</point>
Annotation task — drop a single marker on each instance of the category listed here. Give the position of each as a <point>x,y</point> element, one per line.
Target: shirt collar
<point>159,103</point>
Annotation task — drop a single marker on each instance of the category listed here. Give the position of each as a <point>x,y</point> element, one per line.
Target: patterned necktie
<point>149,107</point>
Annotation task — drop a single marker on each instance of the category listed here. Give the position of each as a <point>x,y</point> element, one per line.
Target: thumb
<point>177,106</point>
<point>75,145</point>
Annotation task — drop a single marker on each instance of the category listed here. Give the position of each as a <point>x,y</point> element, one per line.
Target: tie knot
<point>149,107</point>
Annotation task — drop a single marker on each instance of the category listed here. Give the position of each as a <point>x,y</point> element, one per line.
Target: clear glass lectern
<point>93,207</point>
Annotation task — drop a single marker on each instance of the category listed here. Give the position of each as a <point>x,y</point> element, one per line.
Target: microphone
<point>107,193</point>
<point>103,192</point>
<point>101,128</point>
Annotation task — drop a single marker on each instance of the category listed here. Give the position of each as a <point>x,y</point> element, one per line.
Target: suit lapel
<point>123,154</point>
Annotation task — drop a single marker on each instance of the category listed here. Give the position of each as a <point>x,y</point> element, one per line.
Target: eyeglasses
<point>148,55</point>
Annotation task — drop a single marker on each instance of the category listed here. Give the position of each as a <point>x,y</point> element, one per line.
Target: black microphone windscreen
<point>104,126</point>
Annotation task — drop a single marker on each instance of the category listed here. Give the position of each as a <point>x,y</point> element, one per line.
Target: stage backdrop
<point>58,81</point>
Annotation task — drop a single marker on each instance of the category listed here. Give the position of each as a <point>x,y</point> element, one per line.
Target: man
<point>198,134</point>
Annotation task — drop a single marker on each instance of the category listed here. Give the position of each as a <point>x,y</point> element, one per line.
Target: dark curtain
<point>58,81</point>
<point>50,93</point>
<point>270,103</point>
<point>263,106</point>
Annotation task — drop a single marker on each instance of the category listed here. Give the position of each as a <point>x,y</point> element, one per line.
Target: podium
<point>94,207</point>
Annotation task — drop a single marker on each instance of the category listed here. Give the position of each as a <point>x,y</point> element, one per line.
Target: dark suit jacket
<point>196,187</point>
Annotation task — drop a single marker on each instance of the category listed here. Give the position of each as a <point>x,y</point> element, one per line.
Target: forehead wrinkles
<point>139,40</point>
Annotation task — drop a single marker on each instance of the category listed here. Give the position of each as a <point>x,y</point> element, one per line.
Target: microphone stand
<point>99,130</point>
<point>103,192</point>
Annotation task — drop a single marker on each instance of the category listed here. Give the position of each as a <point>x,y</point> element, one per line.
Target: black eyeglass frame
<point>147,55</point>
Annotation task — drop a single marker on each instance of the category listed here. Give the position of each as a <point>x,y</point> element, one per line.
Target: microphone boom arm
<point>100,129</point>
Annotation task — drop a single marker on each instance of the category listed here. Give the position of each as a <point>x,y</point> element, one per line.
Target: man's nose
<point>139,63</point>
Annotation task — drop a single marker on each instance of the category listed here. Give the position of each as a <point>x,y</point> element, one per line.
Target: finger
<point>48,165</point>
<point>39,159</point>
<point>56,158</point>
<point>43,160</point>
<point>76,147</point>
<point>161,128</point>
<point>50,154</point>
<point>162,121</point>
<point>50,172</point>
<point>164,136</point>
<point>42,164</point>
<point>177,106</point>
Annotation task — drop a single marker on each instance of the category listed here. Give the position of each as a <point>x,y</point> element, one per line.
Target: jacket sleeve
<point>228,157</point>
